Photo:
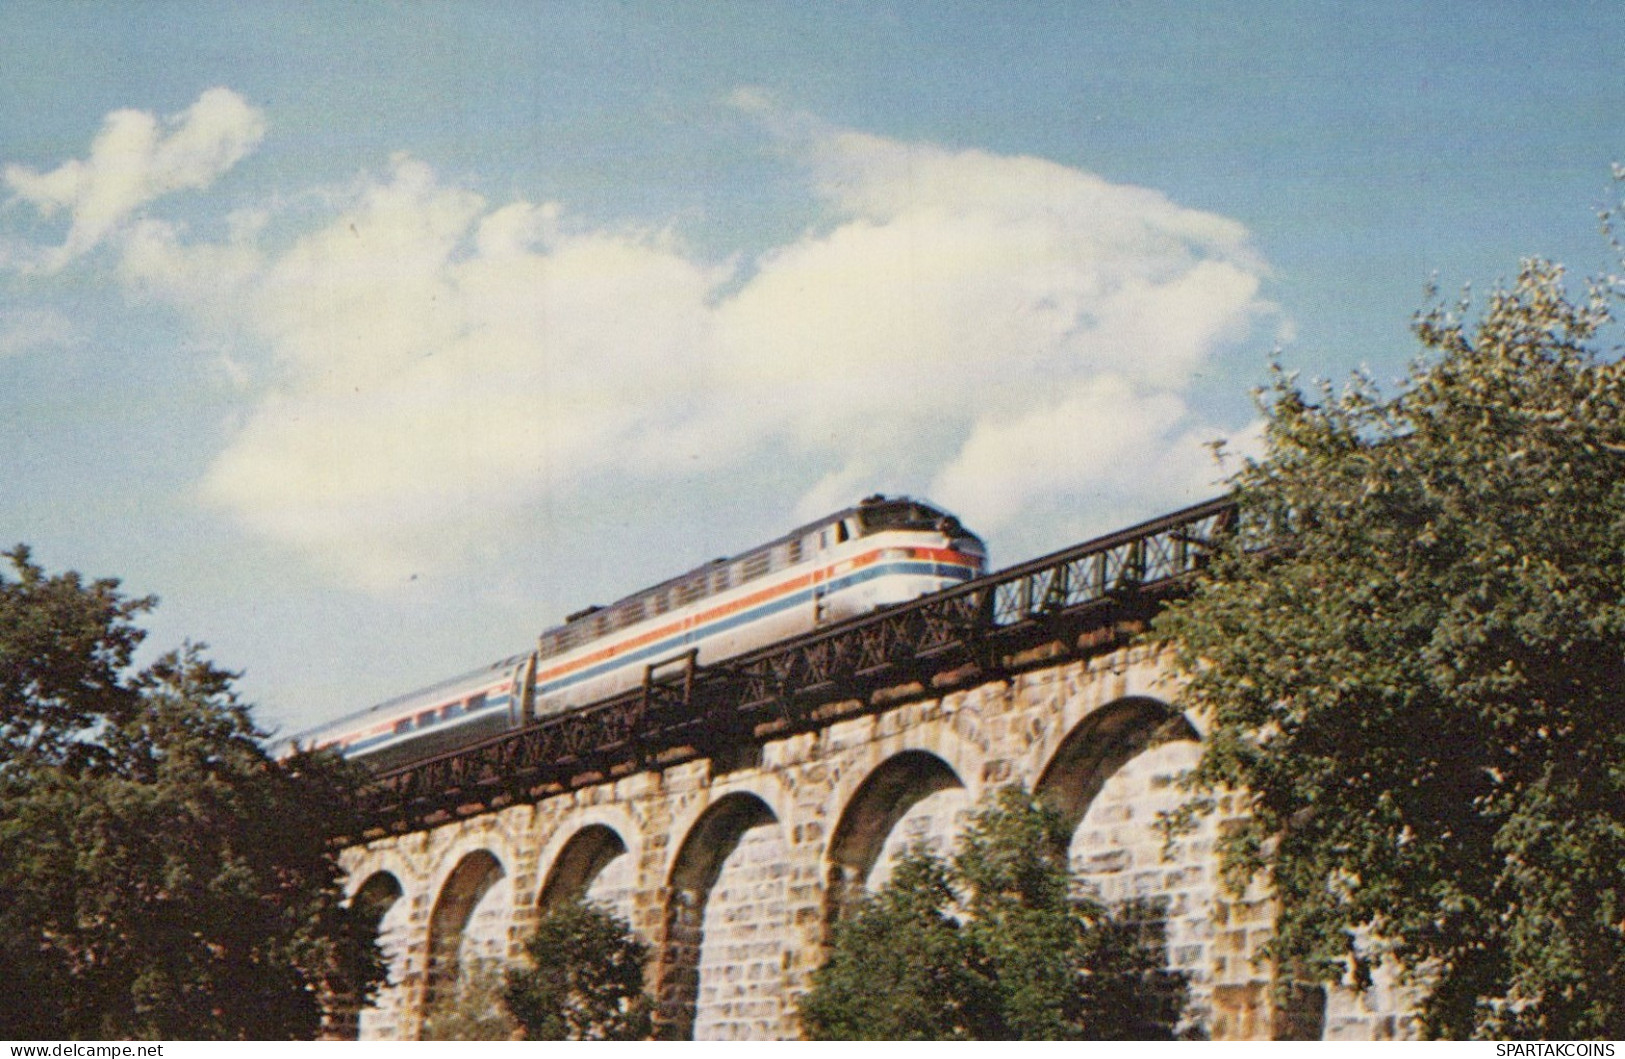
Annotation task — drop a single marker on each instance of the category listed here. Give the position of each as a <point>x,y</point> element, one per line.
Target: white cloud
<point>1103,440</point>
<point>158,263</point>
<point>441,363</point>
<point>998,327</point>
<point>1014,336</point>
<point>135,159</point>
<point>25,330</point>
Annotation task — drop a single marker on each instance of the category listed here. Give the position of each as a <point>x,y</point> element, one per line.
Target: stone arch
<point>581,860</point>
<point>1110,778</point>
<point>380,890</point>
<point>1099,745</point>
<point>379,899</point>
<point>467,922</point>
<point>719,832</point>
<point>881,801</point>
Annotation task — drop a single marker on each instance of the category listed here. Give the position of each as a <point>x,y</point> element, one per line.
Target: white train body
<point>855,561</point>
<point>456,712</point>
<point>880,553</point>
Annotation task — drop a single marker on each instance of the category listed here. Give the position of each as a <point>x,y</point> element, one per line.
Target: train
<point>881,552</point>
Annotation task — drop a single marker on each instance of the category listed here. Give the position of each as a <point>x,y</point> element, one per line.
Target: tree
<point>1411,657</point>
<point>473,1008</point>
<point>65,651</point>
<point>902,967</point>
<point>160,875</point>
<point>583,980</point>
<point>992,946</point>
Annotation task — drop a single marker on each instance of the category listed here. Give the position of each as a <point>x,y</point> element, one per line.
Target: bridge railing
<point>1164,549</point>
<point>976,629</point>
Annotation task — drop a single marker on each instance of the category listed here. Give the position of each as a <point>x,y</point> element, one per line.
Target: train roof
<point>867,504</point>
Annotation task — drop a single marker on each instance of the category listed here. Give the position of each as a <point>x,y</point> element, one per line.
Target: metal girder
<point>683,709</point>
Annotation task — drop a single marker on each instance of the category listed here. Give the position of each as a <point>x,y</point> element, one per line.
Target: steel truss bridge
<point>1082,600</point>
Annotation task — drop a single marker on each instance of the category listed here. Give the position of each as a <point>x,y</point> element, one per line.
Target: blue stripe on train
<point>947,571</point>
<point>795,599</point>
<point>440,724</point>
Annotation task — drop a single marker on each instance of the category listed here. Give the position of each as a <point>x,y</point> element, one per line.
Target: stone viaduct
<point>732,860</point>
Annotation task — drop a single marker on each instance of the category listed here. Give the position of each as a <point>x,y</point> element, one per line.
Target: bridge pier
<point>734,870</point>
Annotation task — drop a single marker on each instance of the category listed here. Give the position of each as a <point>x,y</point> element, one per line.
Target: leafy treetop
<point>1412,658</point>
<point>583,979</point>
<point>160,875</point>
<point>992,946</point>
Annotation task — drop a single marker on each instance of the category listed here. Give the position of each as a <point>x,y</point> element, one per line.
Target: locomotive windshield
<point>878,515</point>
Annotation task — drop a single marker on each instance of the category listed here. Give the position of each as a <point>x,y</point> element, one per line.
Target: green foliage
<point>992,946</point>
<point>1412,659</point>
<point>160,876</point>
<point>473,1009</point>
<point>65,650</point>
<point>903,968</point>
<point>583,980</point>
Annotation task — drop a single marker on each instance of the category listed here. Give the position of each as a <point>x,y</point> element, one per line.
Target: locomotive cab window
<point>898,515</point>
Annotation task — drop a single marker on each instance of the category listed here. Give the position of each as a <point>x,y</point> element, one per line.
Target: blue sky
<point>375,337</point>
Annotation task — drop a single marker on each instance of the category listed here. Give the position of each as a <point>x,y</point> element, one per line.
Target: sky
<point>375,337</point>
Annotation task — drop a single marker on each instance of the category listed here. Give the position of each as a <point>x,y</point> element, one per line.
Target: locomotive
<point>881,552</point>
